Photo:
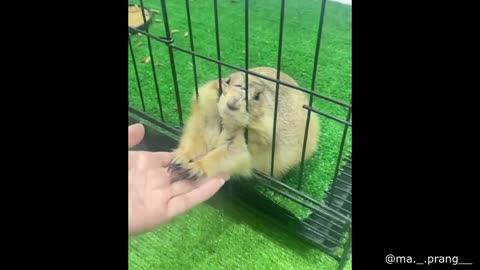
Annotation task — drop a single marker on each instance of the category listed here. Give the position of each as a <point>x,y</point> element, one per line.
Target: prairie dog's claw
<point>183,173</point>
<point>182,168</point>
<point>179,172</point>
<point>170,168</point>
<point>173,165</point>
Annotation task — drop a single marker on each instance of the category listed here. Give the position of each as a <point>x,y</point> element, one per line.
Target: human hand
<point>153,198</point>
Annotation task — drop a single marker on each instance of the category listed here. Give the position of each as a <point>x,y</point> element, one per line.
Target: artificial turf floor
<point>229,237</point>
<point>333,80</point>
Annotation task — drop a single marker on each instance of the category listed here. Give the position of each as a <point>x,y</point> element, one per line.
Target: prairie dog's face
<point>232,100</point>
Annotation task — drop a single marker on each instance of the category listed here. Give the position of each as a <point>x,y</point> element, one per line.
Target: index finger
<point>183,203</point>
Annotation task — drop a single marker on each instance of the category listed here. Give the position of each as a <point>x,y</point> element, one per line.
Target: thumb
<point>135,134</point>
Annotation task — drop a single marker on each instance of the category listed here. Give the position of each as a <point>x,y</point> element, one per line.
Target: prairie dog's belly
<point>288,149</point>
<point>261,162</point>
<point>211,134</point>
<point>284,159</point>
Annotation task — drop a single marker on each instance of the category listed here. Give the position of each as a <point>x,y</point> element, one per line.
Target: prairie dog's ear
<point>225,82</point>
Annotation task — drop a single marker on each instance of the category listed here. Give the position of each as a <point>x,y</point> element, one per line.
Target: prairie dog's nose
<point>232,106</point>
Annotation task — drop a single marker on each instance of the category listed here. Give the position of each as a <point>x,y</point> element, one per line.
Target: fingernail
<point>224,176</point>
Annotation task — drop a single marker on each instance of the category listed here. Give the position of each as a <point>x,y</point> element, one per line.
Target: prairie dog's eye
<point>227,81</point>
<point>257,96</point>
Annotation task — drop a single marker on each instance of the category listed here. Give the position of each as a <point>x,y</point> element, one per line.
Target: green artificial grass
<point>208,238</point>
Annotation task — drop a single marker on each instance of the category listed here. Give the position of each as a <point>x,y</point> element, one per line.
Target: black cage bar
<point>328,227</point>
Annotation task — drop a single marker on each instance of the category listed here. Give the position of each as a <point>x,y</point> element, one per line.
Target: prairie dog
<point>213,141</point>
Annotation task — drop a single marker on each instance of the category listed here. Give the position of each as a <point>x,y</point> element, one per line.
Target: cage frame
<point>329,226</point>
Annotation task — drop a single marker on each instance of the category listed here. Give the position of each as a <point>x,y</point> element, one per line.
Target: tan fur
<point>207,149</point>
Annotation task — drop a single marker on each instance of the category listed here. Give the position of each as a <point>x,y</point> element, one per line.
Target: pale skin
<point>153,197</point>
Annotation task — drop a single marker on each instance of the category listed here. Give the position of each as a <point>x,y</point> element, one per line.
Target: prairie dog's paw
<point>197,169</point>
<point>180,167</point>
<point>177,165</point>
<point>186,171</point>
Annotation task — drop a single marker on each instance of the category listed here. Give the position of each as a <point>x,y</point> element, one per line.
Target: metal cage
<point>328,227</point>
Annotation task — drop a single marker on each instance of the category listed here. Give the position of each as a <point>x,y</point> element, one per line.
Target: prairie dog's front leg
<point>194,143</point>
<point>230,157</point>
